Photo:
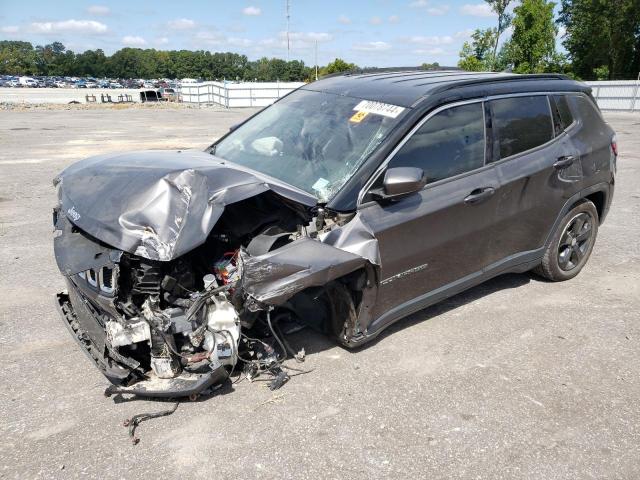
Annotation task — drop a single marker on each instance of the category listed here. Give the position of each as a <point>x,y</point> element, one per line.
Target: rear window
<point>520,124</point>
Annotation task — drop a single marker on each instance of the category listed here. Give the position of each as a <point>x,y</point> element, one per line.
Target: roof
<point>405,88</point>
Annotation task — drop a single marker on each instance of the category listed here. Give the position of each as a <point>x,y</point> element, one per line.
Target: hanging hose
<point>299,356</point>
<point>202,298</point>
<point>273,332</point>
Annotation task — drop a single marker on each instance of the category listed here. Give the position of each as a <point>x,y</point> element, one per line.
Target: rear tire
<point>571,244</point>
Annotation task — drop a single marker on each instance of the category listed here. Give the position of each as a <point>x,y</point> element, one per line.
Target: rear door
<point>592,138</point>
<point>538,168</point>
<point>436,236</point>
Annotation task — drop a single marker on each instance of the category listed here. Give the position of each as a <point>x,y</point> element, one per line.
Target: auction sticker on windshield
<point>358,117</point>
<point>379,108</point>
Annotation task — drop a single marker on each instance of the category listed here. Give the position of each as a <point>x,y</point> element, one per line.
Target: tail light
<point>614,146</point>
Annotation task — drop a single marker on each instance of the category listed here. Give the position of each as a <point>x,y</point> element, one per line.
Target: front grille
<point>106,280</point>
<point>102,280</point>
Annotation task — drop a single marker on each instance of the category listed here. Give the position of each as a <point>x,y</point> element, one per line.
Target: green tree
<point>532,46</point>
<point>92,63</point>
<point>477,55</point>
<point>337,66</point>
<point>602,33</point>
<point>20,58</point>
<point>17,58</point>
<point>54,59</point>
<point>499,7</point>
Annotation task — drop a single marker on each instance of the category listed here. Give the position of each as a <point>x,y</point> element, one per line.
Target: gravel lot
<point>517,378</point>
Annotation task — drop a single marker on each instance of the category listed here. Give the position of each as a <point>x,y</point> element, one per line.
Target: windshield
<point>312,140</point>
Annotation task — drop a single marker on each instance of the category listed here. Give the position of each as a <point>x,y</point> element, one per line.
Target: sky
<point>373,33</point>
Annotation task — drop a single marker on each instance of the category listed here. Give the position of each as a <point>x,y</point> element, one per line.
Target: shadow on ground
<point>315,342</point>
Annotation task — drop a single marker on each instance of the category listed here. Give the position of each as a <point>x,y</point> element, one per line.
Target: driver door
<point>437,238</point>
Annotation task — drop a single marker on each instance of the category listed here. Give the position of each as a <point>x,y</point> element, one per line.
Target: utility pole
<point>316,60</point>
<point>288,42</point>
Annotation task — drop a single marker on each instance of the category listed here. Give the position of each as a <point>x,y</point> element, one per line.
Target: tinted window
<point>558,127</point>
<point>449,143</point>
<point>562,106</point>
<point>520,123</point>
<point>586,110</point>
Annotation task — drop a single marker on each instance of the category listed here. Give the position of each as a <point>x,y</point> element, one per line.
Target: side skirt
<point>519,263</point>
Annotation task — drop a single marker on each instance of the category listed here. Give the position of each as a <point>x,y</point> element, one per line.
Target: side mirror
<point>401,181</point>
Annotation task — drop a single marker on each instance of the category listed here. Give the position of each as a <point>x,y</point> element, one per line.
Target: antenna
<point>288,41</point>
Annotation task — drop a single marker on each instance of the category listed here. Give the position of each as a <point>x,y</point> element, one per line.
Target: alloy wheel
<point>575,241</point>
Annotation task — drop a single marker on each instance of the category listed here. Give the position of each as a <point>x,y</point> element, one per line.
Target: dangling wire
<point>136,420</point>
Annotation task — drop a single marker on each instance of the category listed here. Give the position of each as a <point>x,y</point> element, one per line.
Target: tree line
<point>22,58</point>
<point>601,38</point>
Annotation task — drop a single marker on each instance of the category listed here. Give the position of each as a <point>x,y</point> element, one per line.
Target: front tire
<point>571,245</point>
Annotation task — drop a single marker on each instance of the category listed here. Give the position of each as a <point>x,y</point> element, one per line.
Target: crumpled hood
<point>159,204</point>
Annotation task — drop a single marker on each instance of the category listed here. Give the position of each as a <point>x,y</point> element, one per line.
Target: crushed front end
<point>179,267</point>
<point>152,328</point>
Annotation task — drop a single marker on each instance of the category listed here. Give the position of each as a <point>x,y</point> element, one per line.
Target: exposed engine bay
<point>159,324</point>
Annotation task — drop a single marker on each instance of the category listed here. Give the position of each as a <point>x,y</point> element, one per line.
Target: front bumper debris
<point>187,384</point>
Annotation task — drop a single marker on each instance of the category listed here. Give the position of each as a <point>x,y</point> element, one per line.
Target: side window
<point>520,124</point>
<point>585,109</point>
<point>563,111</point>
<point>449,143</point>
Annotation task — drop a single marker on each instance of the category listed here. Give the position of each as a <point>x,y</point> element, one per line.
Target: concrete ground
<point>517,378</point>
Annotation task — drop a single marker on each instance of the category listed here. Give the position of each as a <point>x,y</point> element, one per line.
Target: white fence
<point>228,94</point>
<point>623,95</point>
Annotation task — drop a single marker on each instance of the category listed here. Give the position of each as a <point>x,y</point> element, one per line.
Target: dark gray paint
<point>159,204</point>
<point>436,228</point>
<point>417,249</point>
<point>273,278</point>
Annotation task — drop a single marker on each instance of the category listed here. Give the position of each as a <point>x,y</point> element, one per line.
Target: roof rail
<point>383,70</point>
<point>498,78</point>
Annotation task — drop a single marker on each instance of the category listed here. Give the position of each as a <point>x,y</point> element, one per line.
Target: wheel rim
<point>575,241</point>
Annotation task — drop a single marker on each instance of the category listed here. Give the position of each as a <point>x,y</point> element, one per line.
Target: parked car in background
<point>168,93</point>
<point>28,82</point>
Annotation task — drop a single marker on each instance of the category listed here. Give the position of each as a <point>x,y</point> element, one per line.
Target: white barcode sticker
<point>320,185</point>
<point>379,108</point>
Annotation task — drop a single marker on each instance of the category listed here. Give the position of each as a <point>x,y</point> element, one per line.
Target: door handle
<point>564,162</point>
<point>479,195</point>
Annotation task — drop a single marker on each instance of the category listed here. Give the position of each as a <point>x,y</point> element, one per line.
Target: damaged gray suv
<point>345,206</point>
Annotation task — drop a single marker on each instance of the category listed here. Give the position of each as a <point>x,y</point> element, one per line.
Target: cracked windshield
<point>312,140</point>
